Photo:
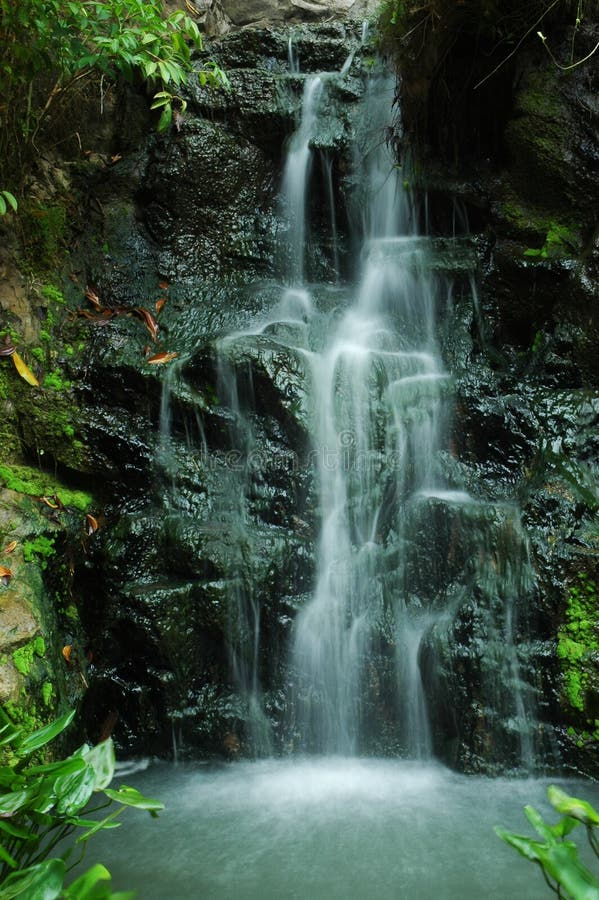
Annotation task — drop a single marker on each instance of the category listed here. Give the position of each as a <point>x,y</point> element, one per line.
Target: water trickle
<point>296,176</point>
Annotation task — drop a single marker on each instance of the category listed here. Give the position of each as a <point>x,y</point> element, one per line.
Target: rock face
<point>210,520</point>
<point>527,388</point>
<point>218,17</point>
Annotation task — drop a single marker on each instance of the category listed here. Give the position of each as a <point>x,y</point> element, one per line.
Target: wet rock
<point>17,622</point>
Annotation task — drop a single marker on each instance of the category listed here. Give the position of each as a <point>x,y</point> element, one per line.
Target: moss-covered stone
<point>35,483</point>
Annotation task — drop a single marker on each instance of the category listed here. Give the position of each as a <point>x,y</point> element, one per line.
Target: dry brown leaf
<point>5,575</point>
<point>159,358</point>
<point>66,652</point>
<point>24,370</point>
<point>163,285</point>
<point>148,320</point>
<point>49,502</point>
<point>10,547</point>
<point>92,524</point>
<point>93,298</point>
<point>160,304</point>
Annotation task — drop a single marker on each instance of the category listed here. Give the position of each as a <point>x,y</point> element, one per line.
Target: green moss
<point>40,547</point>
<point>44,227</point>
<point>578,641</point>
<point>55,381</point>
<point>561,242</point>
<point>29,481</point>
<point>24,656</point>
<point>38,353</point>
<point>71,612</point>
<point>47,692</point>
<point>51,293</point>
<point>27,717</point>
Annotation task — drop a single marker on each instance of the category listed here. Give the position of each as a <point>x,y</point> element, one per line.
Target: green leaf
<point>572,806</point>
<point>101,759</point>
<point>41,882</point>
<point>89,887</point>
<point>166,118</point>
<point>14,831</point>
<point>11,199</point>
<point>108,822</point>
<point>43,736</point>
<point>564,827</point>
<point>2,206</point>
<point>74,790</point>
<point>14,801</point>
<point>526,847</point>
<point>538,823</point>
<point>129,796</point>
<point>60,767</point>
<point>7,858</point>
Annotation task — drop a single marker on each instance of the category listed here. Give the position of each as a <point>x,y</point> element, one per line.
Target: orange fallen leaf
<point>163,285</point>
<point>115,157</point>
<point>148,320</point>
<point>5,575</point>
<point>49,503</point>
<point>92,524</point>
<point>10,547</point>
<point>24,370</point>
<point>161,358</point>
<point>160,304</point>
<point>66,652</point>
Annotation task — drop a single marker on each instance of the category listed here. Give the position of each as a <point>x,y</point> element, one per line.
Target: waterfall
<point>378,406</point>
<point>377,387</point>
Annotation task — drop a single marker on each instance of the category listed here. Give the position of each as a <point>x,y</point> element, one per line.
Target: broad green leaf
<point>101,759</point>
<point>129,796</point>
<point>41,882</point>
<point>60,767</point>
<point>564,827</point>
<point>538,823</point>
<point>43,736</point>
<point>164,121</point>
<point>560,860</point>
<point>2,205</point>
<point>74,790</point>
<point>89,886</point>
<point>526,847</point>
<point>14,801</point>
<point>572,806</point>
<point>164,101</point>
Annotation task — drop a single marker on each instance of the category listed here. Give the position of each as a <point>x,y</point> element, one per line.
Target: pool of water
<point>326,829</point>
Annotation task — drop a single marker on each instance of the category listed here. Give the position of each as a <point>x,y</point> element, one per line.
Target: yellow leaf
<point>24,370</point>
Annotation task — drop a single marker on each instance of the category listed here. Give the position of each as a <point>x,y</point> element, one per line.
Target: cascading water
<point>378,405</point>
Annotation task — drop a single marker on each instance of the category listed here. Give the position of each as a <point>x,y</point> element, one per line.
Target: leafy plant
<point>7,200</point>
<point>50,47</point>
<point>557,856</point>
<point>41,805</point>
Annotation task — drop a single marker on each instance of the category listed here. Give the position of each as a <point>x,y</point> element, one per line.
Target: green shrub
<point>556,856</point>
<point>41,805</point>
